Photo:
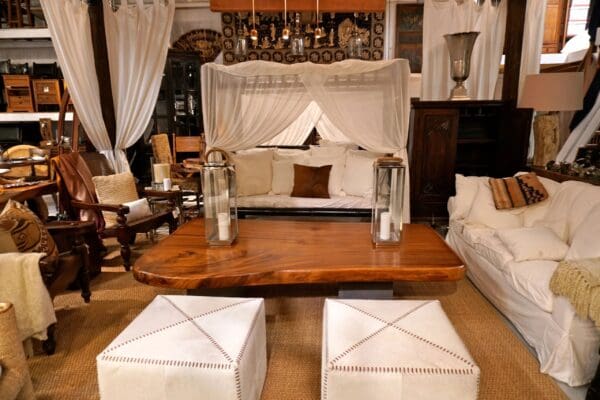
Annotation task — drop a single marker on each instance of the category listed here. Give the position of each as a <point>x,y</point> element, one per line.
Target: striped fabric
<point>518,191</point>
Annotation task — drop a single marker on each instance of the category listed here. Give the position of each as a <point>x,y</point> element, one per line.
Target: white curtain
<point>69,25</point>
<point>581,135</point>
<point>446,17</point>
<point>299,130</point>
<point>533,39</point>
<point>137,37</point>
<point>250,103</point>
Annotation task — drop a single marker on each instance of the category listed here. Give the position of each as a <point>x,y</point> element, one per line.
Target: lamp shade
<point>562,91</point>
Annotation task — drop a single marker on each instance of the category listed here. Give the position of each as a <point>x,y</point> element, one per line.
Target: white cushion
<point>327,151</point>
<point>286,201</point>
<point>393,349</point>
<point>336,175</point>
<point>188,347</point>
<point>466,189</point>
<point>253,172</point>
<point>283,172</point>
<point>538,243</point>
<point>138,209</point>
<point>569,208</point>
<point>282,154</point>
<point>586,239</point>
<point>358,173</point>
<point>488,245</point>
<point>532,280</point>
<point>483,211</point>
<point>536,212</point>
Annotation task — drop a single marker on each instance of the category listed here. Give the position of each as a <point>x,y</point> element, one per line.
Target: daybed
<point>265,179</point>
<point>513,266</point>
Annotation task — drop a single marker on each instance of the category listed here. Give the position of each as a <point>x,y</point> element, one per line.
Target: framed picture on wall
<point>409,34</point>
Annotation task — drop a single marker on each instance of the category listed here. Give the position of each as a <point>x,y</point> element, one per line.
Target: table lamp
<point>548,94</point>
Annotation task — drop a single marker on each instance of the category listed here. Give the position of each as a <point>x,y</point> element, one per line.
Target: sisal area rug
<point>294,317</point>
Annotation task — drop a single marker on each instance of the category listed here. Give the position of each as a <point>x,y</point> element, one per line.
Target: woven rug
<point>294,318</point>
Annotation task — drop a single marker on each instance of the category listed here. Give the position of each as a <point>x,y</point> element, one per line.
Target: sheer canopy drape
<point>137,37</point>
<point>69,25</point>
<point>251,103</point>
<point>446,17</point>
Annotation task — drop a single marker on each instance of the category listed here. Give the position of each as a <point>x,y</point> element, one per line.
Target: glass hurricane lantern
<point>388,199</point>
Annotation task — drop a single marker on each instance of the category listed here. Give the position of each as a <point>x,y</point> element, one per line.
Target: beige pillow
<point>115,189</point>
<point>283,173</point>
<point>253,172</point>
<point>21,230</point>
<point>483,211</point>
<point>358,173</point>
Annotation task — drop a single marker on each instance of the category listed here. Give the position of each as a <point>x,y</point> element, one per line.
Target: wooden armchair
<point>78,199</point>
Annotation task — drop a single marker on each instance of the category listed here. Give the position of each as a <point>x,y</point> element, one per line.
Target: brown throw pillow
<point>26,232</point>
<point>518,191</point>
<point>311,181</point>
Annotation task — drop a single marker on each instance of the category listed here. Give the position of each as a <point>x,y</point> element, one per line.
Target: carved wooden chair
<point>78,199</point>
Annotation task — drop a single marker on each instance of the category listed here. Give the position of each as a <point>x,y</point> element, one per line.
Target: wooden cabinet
<point>17,91</point>
<point>466,137</point>
<point>179,106</point>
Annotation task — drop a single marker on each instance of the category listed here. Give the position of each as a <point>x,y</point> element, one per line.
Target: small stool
<point>384,349</point>
<point>188,347</point>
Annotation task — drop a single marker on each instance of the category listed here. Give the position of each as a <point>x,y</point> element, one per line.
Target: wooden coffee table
<point>275,252</point>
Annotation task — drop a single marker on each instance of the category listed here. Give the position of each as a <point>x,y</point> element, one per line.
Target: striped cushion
<point>518,191</point>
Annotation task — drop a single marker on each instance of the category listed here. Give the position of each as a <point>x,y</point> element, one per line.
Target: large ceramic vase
<point>460,46</point>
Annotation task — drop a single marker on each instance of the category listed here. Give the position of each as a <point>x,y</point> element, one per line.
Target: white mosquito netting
<point>257,102</point>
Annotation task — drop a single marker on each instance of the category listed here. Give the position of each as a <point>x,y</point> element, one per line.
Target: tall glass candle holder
<point>388,195</point>
<point>220,201</point>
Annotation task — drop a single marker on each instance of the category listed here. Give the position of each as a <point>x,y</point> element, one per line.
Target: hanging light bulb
<point>297,42</point>
<point>241,45</point>
<point>354,49</point>
<point>318,30</point>
<point>253,31</point>
<point>285,33</point>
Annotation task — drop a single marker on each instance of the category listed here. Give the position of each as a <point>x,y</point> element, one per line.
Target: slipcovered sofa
<point>511,255</point>
<point>265,179</point>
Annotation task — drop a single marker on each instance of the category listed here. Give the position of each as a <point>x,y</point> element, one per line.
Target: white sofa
<point>512,266</point>
<point>265,178</point>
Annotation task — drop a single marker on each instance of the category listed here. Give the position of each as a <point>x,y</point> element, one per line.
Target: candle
<point>384,225</point>
<point>161,171</point>
<point>167,184</point>
<point>223,225</point>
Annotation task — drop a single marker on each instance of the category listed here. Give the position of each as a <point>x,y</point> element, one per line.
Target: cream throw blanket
<point>21,284</point>
<point>579,281</point>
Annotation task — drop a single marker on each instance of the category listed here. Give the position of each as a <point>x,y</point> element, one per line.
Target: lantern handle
<point>223,153</point>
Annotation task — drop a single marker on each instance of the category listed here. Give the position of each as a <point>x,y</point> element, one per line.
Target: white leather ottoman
<point>393,349</point>
<point>188,347</point>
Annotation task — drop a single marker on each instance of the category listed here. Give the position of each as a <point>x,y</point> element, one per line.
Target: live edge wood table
<point>276,252</point>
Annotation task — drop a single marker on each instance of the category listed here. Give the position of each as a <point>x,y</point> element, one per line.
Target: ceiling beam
<point>299,5</point>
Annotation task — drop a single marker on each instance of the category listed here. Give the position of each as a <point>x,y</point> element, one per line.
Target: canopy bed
<point>257,102</point>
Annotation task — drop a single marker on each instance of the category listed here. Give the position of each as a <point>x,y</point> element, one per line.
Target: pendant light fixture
<point>297,41</point>
<point>285,33</point>
<point>318,30</point>
<point>354,49</point>
<point>241,45</point>
<point>253,31</point>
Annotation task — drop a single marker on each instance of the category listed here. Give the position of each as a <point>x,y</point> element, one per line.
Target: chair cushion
<point>253,172</point>
<point>115,189</point>
<point>311,181</point>
<point>517,191</point>
<point>22,230</point>
<point>539,243</point>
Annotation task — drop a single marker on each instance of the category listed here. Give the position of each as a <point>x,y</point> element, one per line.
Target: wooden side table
<point>46,92</point>
<point>17,91</point>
